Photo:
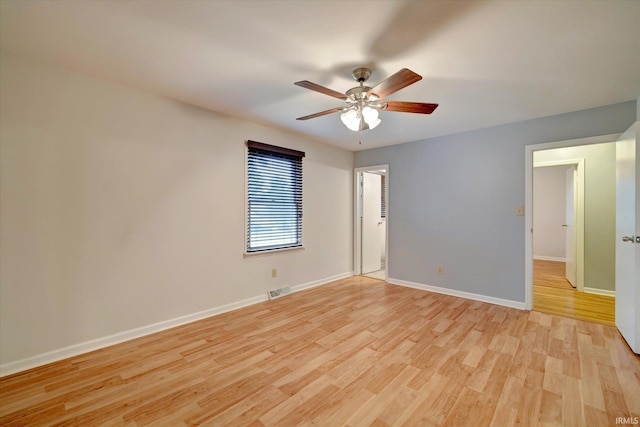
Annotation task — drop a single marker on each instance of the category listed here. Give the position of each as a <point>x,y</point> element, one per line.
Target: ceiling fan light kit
<point>364,102</point>
<point>357,120</point>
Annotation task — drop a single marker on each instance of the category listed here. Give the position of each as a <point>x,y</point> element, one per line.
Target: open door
<point>571,243</point>
<point>370,221</point>
<point>627,239</point>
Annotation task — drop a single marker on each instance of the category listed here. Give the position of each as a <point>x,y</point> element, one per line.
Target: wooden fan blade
<point>410,107</point>
<point>313,86</point>
<point>394,83</point>
<point>321,113</point>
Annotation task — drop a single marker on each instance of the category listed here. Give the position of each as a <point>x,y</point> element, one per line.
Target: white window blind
<point>274,218</point>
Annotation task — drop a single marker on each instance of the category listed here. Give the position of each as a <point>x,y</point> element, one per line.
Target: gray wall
<point>452,200</point>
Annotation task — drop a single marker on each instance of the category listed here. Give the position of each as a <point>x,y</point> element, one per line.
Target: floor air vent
<point>279,293</point>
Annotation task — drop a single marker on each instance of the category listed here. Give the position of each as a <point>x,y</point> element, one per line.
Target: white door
<point>570,225</point>
<point>371,222</point>
<point>627,252</point>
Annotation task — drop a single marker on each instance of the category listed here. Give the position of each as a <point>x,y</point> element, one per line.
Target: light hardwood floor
<point>553,294</point>
<point>551,273</point>
<point>354,352</point>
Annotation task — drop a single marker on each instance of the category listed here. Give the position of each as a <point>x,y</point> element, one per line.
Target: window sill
<point>272,251</point>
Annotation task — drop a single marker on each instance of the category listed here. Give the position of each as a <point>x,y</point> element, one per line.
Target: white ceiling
<point>485,62</point>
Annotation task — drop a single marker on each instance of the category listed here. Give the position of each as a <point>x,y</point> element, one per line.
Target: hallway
<point>553,294</point>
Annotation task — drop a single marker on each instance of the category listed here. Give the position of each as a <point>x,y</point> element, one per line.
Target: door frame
<point>579,210</point>
<point>357,226</point>
<point>528,202</point>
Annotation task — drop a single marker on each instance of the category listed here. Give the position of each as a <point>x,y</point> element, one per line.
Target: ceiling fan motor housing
<point>358,92</point>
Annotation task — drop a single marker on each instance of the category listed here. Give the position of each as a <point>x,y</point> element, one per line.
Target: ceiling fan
<point>364,102</point>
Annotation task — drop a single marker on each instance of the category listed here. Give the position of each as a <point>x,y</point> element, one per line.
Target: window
<point>274,202</point>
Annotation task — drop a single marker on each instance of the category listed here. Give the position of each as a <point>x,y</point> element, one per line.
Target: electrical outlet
<point>440,269</point>
<point>274,272</point>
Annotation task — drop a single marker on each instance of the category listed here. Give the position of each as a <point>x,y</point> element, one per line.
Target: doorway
<point>558,222</point>
<point>570,180</point>
<point>371,206</point>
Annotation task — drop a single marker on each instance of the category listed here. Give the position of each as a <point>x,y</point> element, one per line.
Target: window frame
<point>296,158</point>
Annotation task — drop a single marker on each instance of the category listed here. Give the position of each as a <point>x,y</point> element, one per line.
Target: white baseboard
<point>460,294</point>
<point>604,292</point>
<point>549,258</point>
<point>85,347</point>
<point>320,282</point>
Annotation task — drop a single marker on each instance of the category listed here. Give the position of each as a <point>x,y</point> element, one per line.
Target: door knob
<point>631,239</point>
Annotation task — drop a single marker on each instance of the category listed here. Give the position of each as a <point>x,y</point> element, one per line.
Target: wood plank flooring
<point>550,273</point>
<point>553,294</point>
<point>356,352</point>
<point>577,305</point>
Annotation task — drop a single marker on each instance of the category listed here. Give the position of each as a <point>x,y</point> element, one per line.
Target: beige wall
<point>600,209</point>
<point>121,209</point>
